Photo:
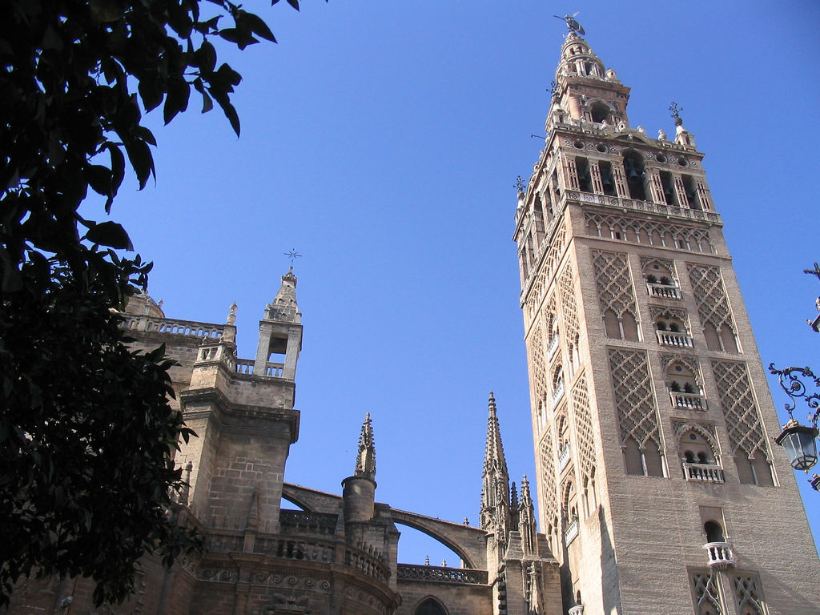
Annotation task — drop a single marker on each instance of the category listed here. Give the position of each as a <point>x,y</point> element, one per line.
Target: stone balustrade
<point>664,291</point>
<point>687,401</point>
<point>302,548</point>
<point>274,370</point>
<point>675,338</point>
<point>167,326</point>
<point>301,522</point>
<point>563,457</point>
<point>720,554</point>
<point>615,202</point>
<point>703,472</point>
<point>576,610</point>
<point>244,367</point>
<point>571,533</point>
<point>369,562</point>
<point>441,574</point>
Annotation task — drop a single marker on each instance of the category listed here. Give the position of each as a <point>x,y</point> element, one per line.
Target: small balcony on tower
<point>564,455</point>
<point>683,384</point>
<point>557,385</point>
<point>662,287</point>
<point>671,329</point>
<point>719,553</point>
<point>699,455</point>
<point>553,344</point>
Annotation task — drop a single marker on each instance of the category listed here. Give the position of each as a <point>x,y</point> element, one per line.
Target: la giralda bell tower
<point>659,488</point>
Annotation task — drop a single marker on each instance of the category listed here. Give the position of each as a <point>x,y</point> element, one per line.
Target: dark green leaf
<point>256,25</point>
<point>99,178</point>
<point>139,154</point>
<point>109,234</point>
<point>177,100</point>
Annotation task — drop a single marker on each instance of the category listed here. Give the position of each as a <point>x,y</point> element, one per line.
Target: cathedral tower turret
<point>359,490</point>
<point>280,332</point>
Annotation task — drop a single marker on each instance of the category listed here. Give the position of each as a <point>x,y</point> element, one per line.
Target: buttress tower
<point>658,486</point>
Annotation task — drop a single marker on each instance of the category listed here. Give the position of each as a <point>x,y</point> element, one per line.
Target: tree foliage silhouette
<point>87,434</point>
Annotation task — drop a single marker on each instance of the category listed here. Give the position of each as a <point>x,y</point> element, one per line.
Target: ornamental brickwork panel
<point>615,291</point>
<point>546,272</point>
<point>584,435</point>
<point>569,312</point>
<point>545,452</point>
<point>706,593</point>
<point>634,399</point>
<point>535,350</point>
<point>743,420</point>
<point>748,597</point>
<point>710,296</point>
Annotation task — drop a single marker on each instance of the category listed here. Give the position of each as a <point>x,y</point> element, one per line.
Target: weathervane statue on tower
<point>572,23</point>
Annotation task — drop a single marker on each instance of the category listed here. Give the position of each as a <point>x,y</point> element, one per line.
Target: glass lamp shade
<point>800,443</point>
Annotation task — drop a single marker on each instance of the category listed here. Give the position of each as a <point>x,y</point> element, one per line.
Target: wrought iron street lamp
<point>800,441</point>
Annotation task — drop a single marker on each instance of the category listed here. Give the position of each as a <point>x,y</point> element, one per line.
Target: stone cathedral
<point>658,489</point>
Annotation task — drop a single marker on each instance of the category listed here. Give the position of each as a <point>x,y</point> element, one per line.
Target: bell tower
<point>658,486</point>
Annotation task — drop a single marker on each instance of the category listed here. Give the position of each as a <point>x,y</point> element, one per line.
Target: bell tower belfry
<point>657,484</point>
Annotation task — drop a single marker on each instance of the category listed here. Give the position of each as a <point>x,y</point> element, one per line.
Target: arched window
<point>430,606</point>
<point>714,532</point>
<point>599,112</point>
<point>633,166</point>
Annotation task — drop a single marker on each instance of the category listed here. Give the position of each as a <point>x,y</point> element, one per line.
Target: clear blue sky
<point>382,141</point>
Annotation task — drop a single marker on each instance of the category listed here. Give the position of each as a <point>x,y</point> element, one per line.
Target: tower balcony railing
<point>557,392</point>
<point>655,208</point>
<point>563,457</point>
<point>571,533</point>
<point>664,291</point>
<point>245,367</point>
<point>687,401</point>
<point>703,472</point>
<point>719,554</point>
<point>576,610</point>
<point>553,346</point>
<point>674,338</point>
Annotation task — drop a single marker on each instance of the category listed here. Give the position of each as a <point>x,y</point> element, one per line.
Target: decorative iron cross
<point>292,255</point>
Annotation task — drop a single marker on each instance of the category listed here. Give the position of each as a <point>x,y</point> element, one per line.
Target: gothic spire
<point>366,456</point>
<point>494,449</point>
<point>495,492</point>
<point>526,519</point>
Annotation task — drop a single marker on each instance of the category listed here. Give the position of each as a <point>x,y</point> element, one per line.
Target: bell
<point>633,174</point>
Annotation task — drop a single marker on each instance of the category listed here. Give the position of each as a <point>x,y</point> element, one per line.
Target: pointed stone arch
<point>430,605</point>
